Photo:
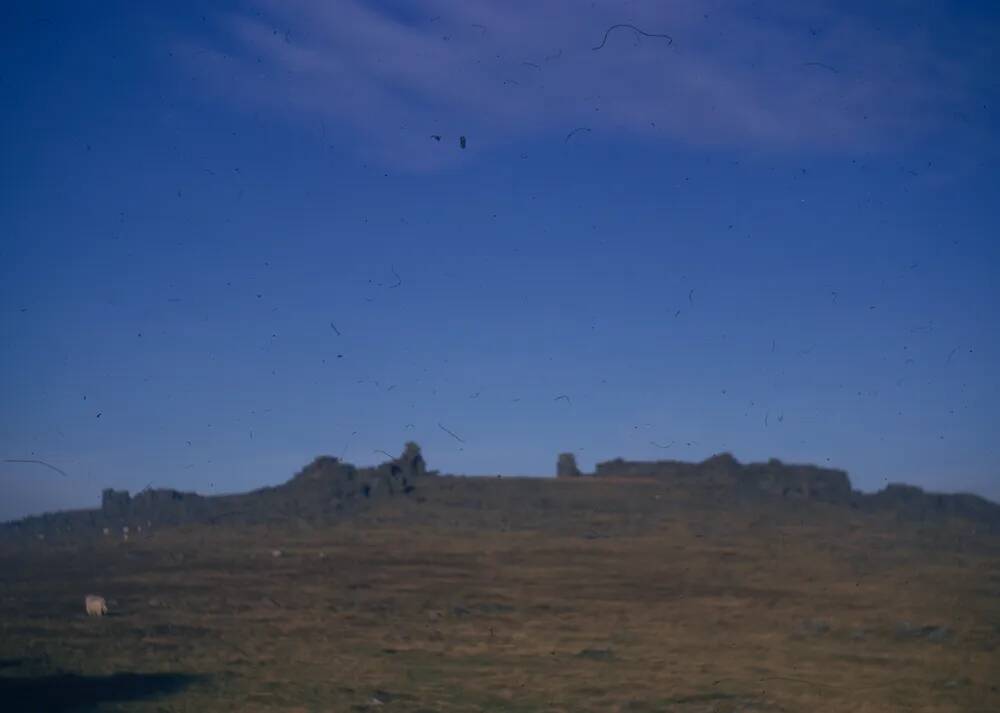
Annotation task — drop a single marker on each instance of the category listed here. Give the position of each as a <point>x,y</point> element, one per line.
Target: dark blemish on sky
<point>399,280</point>
<point>562,396</point>
<point>334,328</point>
<point>571,134</point>
<point>461,141</point>
<point>668,38</point>
<point>821,65</point>
<point>654,443</point>
<point>451,433</point>
<point>37,462</point>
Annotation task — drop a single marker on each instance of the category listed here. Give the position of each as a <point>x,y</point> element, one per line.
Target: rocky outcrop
<point>773,477</point>
<point>566,466</point>
<point>325,488</point>
<point>411,463</point>
<point>912,503</point>
<point>328,489</point>
<point>798,481</point>
<point>328,479</point>
<point>808,482</point>
<point>115,503</point>
<point>162,505</point>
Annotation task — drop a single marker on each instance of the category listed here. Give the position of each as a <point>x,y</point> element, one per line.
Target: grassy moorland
<point>514,595</point>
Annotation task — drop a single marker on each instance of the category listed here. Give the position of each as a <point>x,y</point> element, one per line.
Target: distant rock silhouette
<point>412,461</point>
<point>774,477</point>
<point>328,489</point>
<point>325,488</point>
<point>566,466</point>
<point>808,482</point>
<point>115,503</point>
<point>913,503</point>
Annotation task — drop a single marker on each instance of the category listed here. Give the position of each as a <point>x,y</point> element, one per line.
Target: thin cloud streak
<point>502,72</point>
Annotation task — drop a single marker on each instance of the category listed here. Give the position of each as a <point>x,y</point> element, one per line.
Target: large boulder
<point>115,504</point>
<point>412,463</point>
<point>566,466</point>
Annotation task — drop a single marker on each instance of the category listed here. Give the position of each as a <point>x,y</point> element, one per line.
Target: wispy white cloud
<point>773,76</point>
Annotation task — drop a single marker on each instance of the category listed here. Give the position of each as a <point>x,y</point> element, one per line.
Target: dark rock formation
<point>340,486</point>
<point>773,477</point>
<point>808,482</point>
<point>798,481</point>
<point>328,489</point>
<point>912,503</point>
<point>325,488</point>
<point>115,503</point>
<point>162,506</point>
<point>566,466</point>
<point>412,461</point>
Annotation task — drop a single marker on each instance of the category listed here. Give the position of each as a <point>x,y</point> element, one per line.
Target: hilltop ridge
<point>795,481</point>
<point>330,489</point>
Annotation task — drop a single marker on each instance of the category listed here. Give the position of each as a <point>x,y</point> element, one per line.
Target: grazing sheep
<point>96,606</point>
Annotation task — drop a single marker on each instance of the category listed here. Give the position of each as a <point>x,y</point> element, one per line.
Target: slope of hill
<point>328,490</point>
<point>507,594</point>
<point>395,589</point>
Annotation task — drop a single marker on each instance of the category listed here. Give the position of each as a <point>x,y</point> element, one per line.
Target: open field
<point>515,595</point>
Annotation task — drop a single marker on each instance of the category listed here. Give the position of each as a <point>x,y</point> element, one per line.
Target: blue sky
<point>775,236</point>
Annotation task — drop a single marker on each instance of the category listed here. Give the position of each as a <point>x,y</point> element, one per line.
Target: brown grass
<point>424,607</point>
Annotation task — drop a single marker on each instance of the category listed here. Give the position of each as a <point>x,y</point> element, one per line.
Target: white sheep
<point>96,606</point>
